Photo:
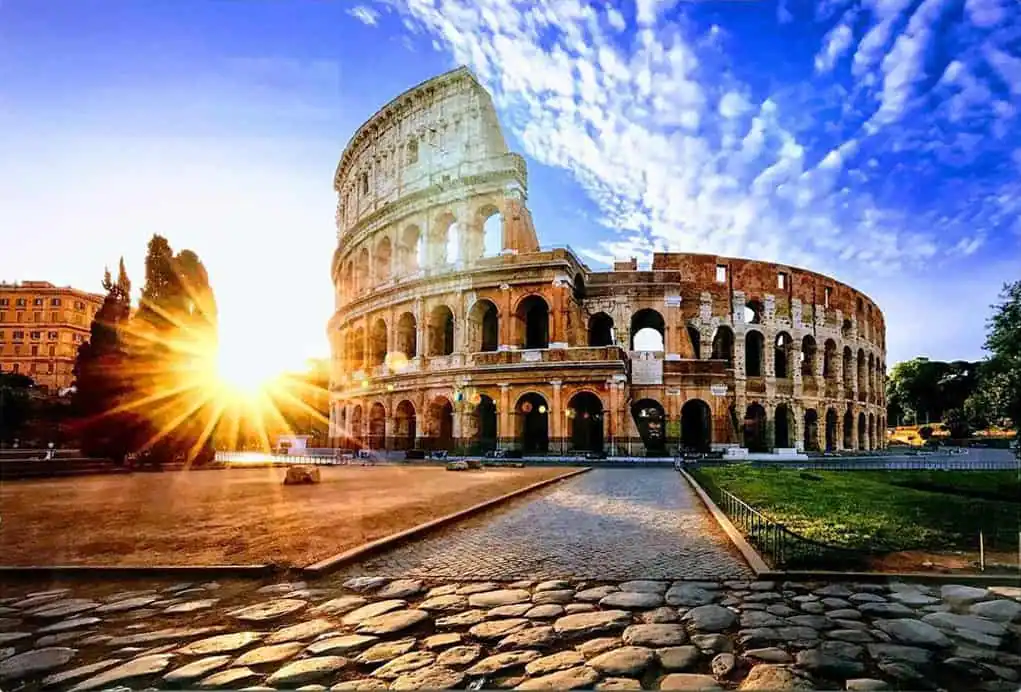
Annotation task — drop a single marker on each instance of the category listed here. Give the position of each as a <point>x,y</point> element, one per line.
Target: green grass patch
<point>882,510</point>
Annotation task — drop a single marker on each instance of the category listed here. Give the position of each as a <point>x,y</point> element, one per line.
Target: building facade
<point>41,328</point>
<point>454,329</point>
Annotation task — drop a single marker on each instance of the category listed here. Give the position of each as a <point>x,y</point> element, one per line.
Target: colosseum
<point>454,329</point>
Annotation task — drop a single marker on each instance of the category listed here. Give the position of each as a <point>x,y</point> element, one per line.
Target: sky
<point>878,141</point>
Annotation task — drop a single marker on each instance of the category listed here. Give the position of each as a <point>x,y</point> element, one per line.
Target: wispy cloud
<point>366,15</point>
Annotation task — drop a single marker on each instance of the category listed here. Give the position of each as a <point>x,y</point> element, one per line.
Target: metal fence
<point>897,464</point>
<point>261,457</point>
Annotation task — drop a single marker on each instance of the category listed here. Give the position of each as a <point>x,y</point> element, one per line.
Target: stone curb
<point>750,555</point>
<point>337,561</point>
<point>53,572</point>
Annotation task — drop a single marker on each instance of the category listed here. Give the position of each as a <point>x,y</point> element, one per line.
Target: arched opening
<point>650,419</point>
<point>383,256</point>
<point>809,352</point>
<point>362,271</point>
<point>441,419</point>
<point>829,363</point>
<point>845,329</point>
<point>342,421</point>
<point>533,423</point>
<point>377,427</point>
<point>485,327</point>
<point>648,331</point>
<point>872,431</point>
<point>871,375</point>
<point>533,320</point>
<point>782,355</point>
<point>492,234</point>
<point>811,440</point>
<point>600,330</point>
<point>412,151</point>
<point>441,331</point>
<point>486,412</point>
<point>753,351</point>
<point>350,288</point>
<point>755,429</point>
<point>753,312</point>
<point>831,430</point>
<point>863,384</point>
<point>407,336</point>
<point>578,289</point>
<point>357,426</point>
<point>863,431</point>
<point>723,345</point>
<point>696,341</point>
<point>377,343</point>
<point>405,426</point>
<point>356,350</point>
<point>409,250</point>
<point>848,367</point>
<point>848,430</point>
<point>444,240</point>
<point>782,427</point>
<point>696,426</point>
<point>585,414</point>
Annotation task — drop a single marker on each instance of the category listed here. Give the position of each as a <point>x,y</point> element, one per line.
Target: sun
<point>244,372</point>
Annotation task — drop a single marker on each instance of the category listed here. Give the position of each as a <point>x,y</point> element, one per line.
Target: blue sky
<point>878,141</point>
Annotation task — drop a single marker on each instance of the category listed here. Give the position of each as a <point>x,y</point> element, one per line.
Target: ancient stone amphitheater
<point>454,329</point>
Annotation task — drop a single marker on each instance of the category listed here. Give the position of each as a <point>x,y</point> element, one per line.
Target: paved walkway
<point>606,524</point>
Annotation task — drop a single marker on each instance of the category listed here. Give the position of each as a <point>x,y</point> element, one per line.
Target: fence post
<point>981,551</point>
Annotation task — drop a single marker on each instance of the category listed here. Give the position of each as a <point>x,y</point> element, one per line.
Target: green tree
<point>925,432</point>
<point>957,423</point>
<point>1002,371</point>
<point>15,405</point>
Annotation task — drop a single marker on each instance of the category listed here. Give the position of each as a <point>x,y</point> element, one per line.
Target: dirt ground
<point>234,516</point>
<point>945,563</point>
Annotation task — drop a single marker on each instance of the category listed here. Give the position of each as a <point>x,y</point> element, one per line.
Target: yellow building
<point>41,328</point>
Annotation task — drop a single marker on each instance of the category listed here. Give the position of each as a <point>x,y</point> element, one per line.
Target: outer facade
<point>41,328</point>
<point>453,329</point>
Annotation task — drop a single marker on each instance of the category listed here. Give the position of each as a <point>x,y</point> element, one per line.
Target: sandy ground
<point>236,516</point>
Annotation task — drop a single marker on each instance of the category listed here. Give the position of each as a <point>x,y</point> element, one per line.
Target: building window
<point>20,302</point>
<point>53,350</point>
<point>79,305</point>
<point>31,367</point>
<point>52,336</point>
<point>1,335</point>
<point>3,316</point>
<point>55,302</point>
<point>54,317</point>
<point>37,301</point>
<point>826,292</point>
<point>781,280</point>
<point>37,317</point>
<point>17,349</point>
<point>5,301</point>
<point>35,350</point>
<point>17,368</point>
<point>19,317</point>
<point>37,335</point>
<point>365,183</point>
<point>19,335</point>
<point>721,273</point>
<point>412,151</point>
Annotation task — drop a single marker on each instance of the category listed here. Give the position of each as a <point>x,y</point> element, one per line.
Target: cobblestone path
<point>605,524</point>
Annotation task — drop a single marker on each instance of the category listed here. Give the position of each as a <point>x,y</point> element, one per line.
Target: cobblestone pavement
<point>607,523</point>
<point>377,633</point>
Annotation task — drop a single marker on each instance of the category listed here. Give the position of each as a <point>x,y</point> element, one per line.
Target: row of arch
<point>446,241</point>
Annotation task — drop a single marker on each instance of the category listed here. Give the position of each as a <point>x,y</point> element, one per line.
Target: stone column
<point>556,416</point>
<point>838,442</point>
<point>506,318</point>
<point>420,328</point>
<point>505,435</point>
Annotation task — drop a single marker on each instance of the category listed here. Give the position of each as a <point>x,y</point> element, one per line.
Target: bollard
<point>981,551</point>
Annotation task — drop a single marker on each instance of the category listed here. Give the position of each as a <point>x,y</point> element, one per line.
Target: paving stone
<point>552,585</point>
<point>127,604</point>
<point>594,647</point>
<point>710,618</point>
<point>301,631</point>
<point>444,590</point>
<point>360,684</point>
<point>70,624</point>
<point>1001,610</point>
<point>963,596</point>
<point>224,643</point>
<point>406,663</point>
<point>306,670</point>
<point>342,644</point>
<point>913,598</point>
<point>660,616</point>
<point>364,584</point>
<point>441,641</point>
<point>619,684</point>
<point>844,614</point>
<point>769,654</point>
<point>594,594</point>
<point>689,595</point>
<point>678,658</point>
<point>35,661</point>
<point>818,622</point>
<point>515,610</point>
<point>783,611</point>
<point>465,619</point>
<point>956,623</point>
<point>459,656</point>
<point>269,610</point>
<point>478,587</point>
<point>444,603</point>
<point>712,643</point>
<point>64,677</point>
<point>813,607</point>
<point>390,623</point>
<point>521,584</point>
<point>40,599</point>
<point>136,668</point>
<point>905,673</point>
<point>835,603</point>
<point>850,625</point>
<point>386,651</point>
<point>583,624</point>
<point>503,661</point>
<point>58,639</point>
<point>531,638</point>
<point>914,633</point>
<point>866,598</point>
<point>580,677</point>
<point>886,610</point>
<point>544,612</point>
<point>644,585</point>
<point>561,660</point>
<point>837,590</point>
<point>400,588</point>
<point>7,623</point>
<point>282,588</point>
<point>754,618</point>
<point>572,608</point>
<point>191,606</point>
<point>265,655</point>
<point>763,597</point>
<point>499,597</point>
<point>371,610</point>
<point>430,678</point>
<point>689,681</point>
<point>866,685</point>
<point>852,635</point>
<point>827,665</point>
<point>899,653</point>
<point>65,608</point>
<point>627,660</point>
<point>656,636</point>
<point>1007,591</point>
<point>496,629</point>
<point>722,665</point>
<point>196,669</point>
<point>775,678</point>
<point>559,596</point>
<point>340,605</point>
<point>175,634</point>
<point>232,677</point>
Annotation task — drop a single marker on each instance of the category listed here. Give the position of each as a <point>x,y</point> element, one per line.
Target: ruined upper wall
<point>441,134</point>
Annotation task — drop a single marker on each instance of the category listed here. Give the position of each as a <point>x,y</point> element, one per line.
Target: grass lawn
<point>883,510</point>
<point>235,516</point>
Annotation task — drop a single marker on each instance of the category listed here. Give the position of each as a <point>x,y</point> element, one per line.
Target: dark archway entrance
<point>377,426</point>
<point>753,347</point>
<point>755,429</point>
<point>862,431</point>
<point>782,436</point>
<point>648,331</point>
<point>831,430</point>
<point>696,426</point>
<point>848,430</point>
<point>441,331</point>
<point>811,430</point>
<point>485,327</point>
<point>533,313</point>
<point>486,411</point>
<point>585,412</point>
<point>441,413</point>
<point>405,426</point>
<point>650,419</point>
<point>723,345</point>
<point>600,330</point>
<point>533,423</point>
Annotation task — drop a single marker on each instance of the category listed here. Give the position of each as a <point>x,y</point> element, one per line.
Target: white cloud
<point>366,15</point>
<point>1007,67</point>
<point>835,45</point>
<point>986,13</point>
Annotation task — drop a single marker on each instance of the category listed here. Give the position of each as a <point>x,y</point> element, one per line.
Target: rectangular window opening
<point>781,280</point>
<point>826,296</point>
<point>721,273</point>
